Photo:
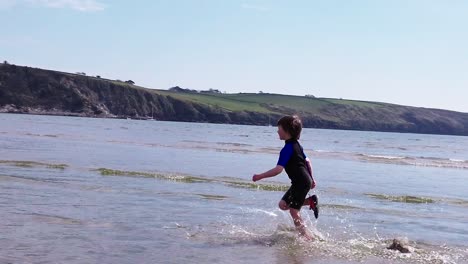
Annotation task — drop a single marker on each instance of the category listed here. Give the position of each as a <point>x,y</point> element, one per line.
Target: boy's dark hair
<point>292,125</point>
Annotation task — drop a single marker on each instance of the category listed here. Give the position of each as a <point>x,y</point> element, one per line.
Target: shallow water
<point>171,192</point>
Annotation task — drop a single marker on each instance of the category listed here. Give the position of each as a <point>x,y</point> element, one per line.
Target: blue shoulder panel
<point>285,155</point>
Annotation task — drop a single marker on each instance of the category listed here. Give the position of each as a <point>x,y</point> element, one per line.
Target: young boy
<point>299,170</point>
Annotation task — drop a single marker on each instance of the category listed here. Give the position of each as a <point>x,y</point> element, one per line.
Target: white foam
<point>383,156</point>
<point>257,210</point>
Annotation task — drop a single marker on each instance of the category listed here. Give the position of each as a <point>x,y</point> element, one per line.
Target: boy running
<point>299,170</point>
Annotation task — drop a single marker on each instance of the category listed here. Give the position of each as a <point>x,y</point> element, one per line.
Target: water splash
<point>355,248</point>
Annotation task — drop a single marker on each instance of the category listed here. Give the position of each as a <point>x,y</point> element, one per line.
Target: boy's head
<point>289,127</point>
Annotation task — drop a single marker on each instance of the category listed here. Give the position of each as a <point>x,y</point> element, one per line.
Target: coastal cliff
<point>38,91</point>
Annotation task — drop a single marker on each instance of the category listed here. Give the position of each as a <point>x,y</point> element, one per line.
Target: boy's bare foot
<point>307,236</point>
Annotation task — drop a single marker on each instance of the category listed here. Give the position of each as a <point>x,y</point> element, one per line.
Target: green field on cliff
<point>264,102</point>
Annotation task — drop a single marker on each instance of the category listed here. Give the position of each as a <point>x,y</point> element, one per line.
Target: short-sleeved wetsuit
<point>292,159</point>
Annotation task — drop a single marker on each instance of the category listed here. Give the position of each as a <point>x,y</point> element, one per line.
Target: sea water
<point>83,190</point>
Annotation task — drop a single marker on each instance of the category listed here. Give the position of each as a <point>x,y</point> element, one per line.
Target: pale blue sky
<point>409,52</point>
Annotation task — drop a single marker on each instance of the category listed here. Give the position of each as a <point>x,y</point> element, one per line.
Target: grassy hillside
<point>334,113</point>
<point>264,102</point>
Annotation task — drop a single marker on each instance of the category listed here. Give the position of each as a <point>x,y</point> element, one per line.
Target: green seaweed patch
<point>57,166</point>
<point>106,172</point>
<point>340,206</point>
<point>211,196</point>
<point>192,179</point>
<point>461,202</point>
<point>401,198</point>
<point>162,176</point>
<point>249,185</point>
<point>32,164</point>
<point>54,219</point>
<point>457,202</point>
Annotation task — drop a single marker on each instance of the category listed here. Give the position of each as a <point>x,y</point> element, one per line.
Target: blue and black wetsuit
<point>292,159</point>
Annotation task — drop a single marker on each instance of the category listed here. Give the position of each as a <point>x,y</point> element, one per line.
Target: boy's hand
<point>313,184</point>
<point>256,177</point>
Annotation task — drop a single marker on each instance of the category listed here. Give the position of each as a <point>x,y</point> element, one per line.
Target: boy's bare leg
<point>297,219</point>
<point>299,223</point>
<point>283,205</point>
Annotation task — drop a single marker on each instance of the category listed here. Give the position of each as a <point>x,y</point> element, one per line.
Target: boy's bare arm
<point>273,172</point>
<point>309,168</point>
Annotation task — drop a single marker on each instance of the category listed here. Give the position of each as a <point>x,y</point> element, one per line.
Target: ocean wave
<point>274,186</point>
<point>418,161</point>
<point>454,163</point>
<point>459,160</point>
<point>382,157</point>
<point>241,148</point>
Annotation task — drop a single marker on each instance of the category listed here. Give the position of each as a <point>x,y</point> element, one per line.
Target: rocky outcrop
<point>401,244</point>
<point>29,90</point>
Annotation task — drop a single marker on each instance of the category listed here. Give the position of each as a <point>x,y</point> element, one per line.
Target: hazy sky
<point>411,52</point>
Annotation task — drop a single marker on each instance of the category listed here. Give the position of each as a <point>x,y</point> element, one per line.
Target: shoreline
<point>9,109</point>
